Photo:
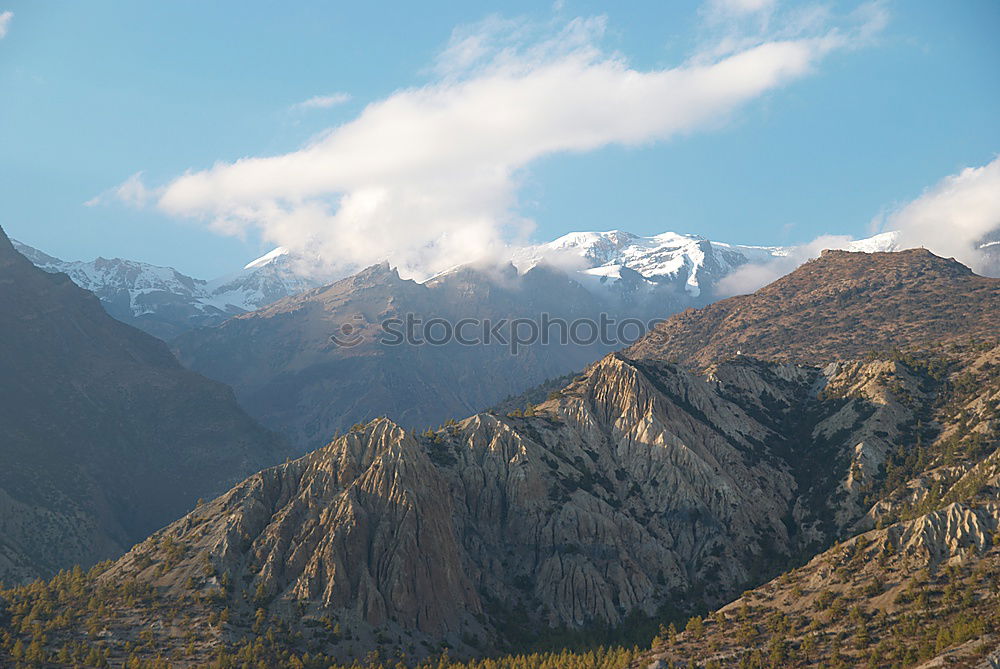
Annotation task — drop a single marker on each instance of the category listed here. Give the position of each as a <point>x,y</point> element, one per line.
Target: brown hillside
<point>836,307</point>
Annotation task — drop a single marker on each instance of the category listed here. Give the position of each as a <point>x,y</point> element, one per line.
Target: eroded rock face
<point>928,572</point>
<point>615,497</point>
<point>639,485</point>
<point>365,525</point>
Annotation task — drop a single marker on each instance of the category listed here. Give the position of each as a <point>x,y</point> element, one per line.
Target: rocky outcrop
<point>945,534</point>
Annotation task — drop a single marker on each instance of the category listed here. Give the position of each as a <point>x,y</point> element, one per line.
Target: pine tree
<point>695,627</point>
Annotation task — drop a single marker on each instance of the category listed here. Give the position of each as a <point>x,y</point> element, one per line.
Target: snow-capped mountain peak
<point>669,257</point>
<point>274,275</point>
<point>267,258</point>
<point>885,241</point>
<point>687,261</point>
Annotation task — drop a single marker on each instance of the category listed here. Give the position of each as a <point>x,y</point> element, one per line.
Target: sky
<point>200,135</point>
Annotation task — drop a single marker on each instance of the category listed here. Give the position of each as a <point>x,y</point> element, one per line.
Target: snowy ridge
<point>262,281</point>
<point>680,269</point>
<point>267,279</point>
<point>886,241</point>
<point>688,261</point>
<point>110,279</point>
<point>165,302</point>
<point>267,258</point>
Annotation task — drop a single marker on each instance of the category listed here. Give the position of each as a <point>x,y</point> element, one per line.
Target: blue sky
<point>92,93</point>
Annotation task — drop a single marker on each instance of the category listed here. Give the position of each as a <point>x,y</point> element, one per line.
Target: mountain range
<point>667,272</point>
<point>164,302</point>
<point>687,267</point>
<point>290,375</point>
<point>835,447</point>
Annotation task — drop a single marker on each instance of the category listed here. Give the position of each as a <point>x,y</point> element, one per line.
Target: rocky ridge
<point>837,307</point>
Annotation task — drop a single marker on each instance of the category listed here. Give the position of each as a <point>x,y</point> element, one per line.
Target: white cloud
<point>5,18</point>
<point>731,25</point>
<point>133,192</point>
<point>740,7</point>
<point>955,217</point>
<point>322,102</point>
<point>429,177</point>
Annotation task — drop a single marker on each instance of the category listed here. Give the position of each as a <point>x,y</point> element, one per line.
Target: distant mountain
<point>289,374</point>
<point>649,276</point>
<point>267,279</point>
<point>164,302</point>
<point>104,437</point>
<point>686,266</point>
<point>641,491</point>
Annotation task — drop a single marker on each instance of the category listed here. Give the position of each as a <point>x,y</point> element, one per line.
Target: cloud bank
<point>429,176</point>
<point>956,218</point>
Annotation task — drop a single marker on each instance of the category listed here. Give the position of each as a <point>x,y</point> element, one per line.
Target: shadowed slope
<point>104,436</point>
